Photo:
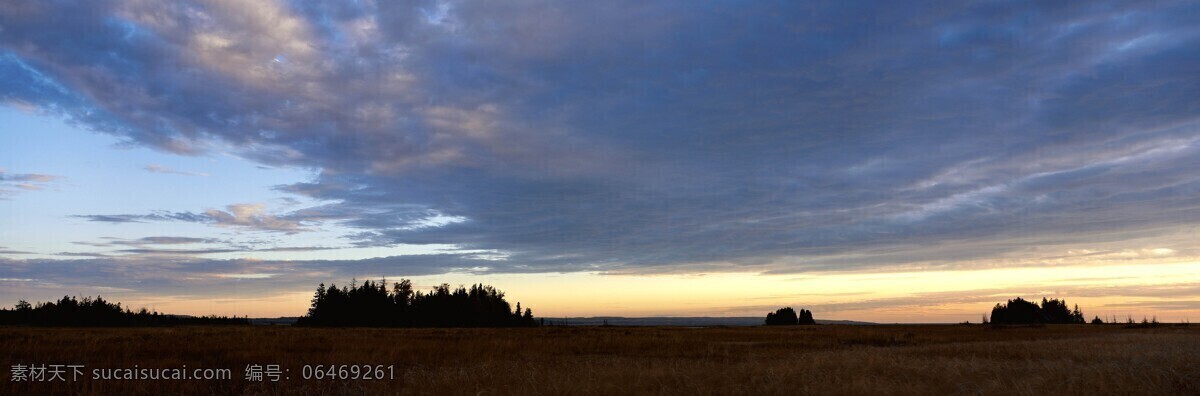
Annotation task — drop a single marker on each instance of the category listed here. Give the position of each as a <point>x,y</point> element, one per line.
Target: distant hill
<point>286,321</point>
<point>698,321</point>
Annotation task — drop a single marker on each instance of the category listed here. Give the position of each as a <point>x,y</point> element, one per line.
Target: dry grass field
<point>829,359</point>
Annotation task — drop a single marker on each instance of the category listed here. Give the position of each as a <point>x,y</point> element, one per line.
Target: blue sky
<point>163,151</point>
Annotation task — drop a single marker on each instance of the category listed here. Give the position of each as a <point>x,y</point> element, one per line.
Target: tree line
<point>372,304</point>
<point>787,316</point>
<point>1052,311</point>
<point>72,311</point>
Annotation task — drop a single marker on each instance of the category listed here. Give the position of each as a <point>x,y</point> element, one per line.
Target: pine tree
<point>318,297</point>
<point>806,317</point>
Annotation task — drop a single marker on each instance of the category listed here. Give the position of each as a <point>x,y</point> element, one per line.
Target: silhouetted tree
<point>88,311</point>
<point>1019,311</point>
<point>1097,320</point>
<point>782,317</point>
<point>317,299</point>
<point>806,318</point>
<point>371,304</point>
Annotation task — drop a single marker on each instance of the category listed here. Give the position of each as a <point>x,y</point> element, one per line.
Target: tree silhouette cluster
<point>1019,311</point>
<point>372,304</point>
<point>787,316</point>
<point>71,311</point>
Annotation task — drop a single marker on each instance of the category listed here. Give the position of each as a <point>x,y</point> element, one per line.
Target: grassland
<point>829,359</point>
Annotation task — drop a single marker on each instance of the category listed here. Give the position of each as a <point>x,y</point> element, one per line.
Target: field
<point>827,359</point>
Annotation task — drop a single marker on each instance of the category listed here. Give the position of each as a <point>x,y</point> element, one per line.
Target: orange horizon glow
<point>938,296</point>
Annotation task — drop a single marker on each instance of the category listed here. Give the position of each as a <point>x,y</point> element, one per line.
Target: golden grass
<point>831,359</point>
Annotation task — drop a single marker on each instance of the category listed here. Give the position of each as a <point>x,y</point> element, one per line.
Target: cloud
<point>166,240</point>
<point>112,218</point>
<point>155,168</point>
<point>180,252</point>
<point>180,247</point>
<point>175,275</point>
<point>635,137</point>
<point>195,252</point>
<point>1157,305</point>
<point>24,182</point>
<point>152,240</point>
<point>141,218</point>
<point>248,216</point>
<point>27,177</point>
<point>252,216</point>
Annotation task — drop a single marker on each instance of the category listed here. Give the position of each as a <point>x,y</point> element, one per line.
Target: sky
<point>876,161</point>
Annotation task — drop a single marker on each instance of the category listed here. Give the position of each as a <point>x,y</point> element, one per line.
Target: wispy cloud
<point>11,183</point>
<point>253,216</point>
<point>152,240</point>
<point>164,240</point>
<point>248,216</point>
<point>27,177</point>
<point>172,246</point>
<point>155,168</point>
<point>168,274</point>
<point>141,218</point>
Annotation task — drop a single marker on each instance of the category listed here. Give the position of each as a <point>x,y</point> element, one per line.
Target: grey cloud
<point>112,218</point>
<point>248,216</point>
<point>154,246</point>
<point>185,252</point>
<point>82,254</point>
<point>658,137</point>
<point>152,240</point>
<point>167,240</point>
<point>205,278</point>
<point>141,218</point>
<point>194,252</point>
